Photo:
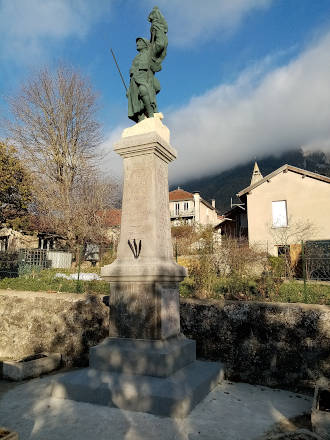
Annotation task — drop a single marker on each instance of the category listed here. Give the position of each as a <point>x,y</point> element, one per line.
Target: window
<point>283,251</point>
<point>185,206</point>
<point>177,208</point>
<point>46,243</point>
<point>280,218</point>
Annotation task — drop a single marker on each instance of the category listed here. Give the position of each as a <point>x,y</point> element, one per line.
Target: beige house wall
<point>181,207</point>
<point>207,216</point>
<point>201,213</point>
<point>307,199</point>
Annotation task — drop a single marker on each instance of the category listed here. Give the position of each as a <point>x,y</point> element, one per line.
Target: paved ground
<point>233,411</point>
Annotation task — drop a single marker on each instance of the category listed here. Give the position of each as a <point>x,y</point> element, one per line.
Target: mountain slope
<point>227,184</point>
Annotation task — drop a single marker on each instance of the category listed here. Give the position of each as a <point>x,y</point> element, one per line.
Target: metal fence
<point>314,261</point>
<point>24,261</point>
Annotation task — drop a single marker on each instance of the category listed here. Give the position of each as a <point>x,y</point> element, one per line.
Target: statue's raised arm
<point>143,84</point>
<point>158,38</point>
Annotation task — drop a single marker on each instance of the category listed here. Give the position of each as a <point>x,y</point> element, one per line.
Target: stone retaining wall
<point>34,322</point>
<point>263,343</point>
<point>271,344</point>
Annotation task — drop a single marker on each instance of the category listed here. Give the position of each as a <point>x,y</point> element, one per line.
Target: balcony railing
<point>182,213</point>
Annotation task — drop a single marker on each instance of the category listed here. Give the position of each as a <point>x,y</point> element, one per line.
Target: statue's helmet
<point>146,42</point>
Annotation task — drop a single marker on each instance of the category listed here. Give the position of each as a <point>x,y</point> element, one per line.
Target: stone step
<point>173,396</point>
<point>145,357</point>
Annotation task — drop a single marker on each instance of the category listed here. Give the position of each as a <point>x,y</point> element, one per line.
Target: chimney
<point>256,175</point>
<point>213,203</point>
<point>197,199</point>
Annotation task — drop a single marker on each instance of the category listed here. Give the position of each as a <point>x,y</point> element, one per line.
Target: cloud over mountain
<point>263,112</point>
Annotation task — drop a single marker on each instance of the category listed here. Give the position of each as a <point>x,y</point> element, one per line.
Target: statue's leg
<point>143,92</point>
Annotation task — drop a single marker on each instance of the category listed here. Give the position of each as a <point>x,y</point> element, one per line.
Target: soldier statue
<point>144,86</point>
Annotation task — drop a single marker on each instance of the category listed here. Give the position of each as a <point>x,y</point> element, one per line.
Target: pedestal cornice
<point>148,271</point>
<point>147,143</point>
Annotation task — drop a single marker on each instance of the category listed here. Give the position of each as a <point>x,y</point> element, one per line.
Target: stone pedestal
<point>144,365</point>
<point>144,300</point>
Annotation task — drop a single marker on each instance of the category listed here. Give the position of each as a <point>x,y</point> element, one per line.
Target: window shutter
<point>280,218</point>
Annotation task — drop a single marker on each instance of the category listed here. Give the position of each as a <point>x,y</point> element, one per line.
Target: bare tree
<point>54,124</point>
<point>82,216</point>
<point>55,128</point>
<point>289,238</point>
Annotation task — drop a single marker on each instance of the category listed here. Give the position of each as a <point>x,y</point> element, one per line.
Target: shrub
<point>277,266</point>
<point>187,287</point>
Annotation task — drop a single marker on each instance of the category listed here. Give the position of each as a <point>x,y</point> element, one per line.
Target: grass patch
<point>263,289</point>
<point>45,280</point>
<point>314,293</point>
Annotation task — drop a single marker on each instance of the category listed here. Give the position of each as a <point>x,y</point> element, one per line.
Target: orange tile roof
<point>112,217</point>
<point>180,194</point>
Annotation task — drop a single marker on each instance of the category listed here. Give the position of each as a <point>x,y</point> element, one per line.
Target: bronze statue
<point>144,86</point>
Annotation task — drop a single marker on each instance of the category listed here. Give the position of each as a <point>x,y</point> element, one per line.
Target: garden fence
<point>24,261</point>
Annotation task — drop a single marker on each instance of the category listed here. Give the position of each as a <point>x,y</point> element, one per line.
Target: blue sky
<point>242,78</point>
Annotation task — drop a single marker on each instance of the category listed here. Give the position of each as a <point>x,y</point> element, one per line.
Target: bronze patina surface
<point>144,85</point>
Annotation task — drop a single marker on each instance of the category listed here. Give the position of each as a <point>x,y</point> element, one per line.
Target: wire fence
<point>16,263</point>
<point>314,261</point>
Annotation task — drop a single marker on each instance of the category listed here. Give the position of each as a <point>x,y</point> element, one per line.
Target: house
<point>12,240</point>
<point>191,208</point>
<point>287,206</point>
<point>233,223</point>
<point>112,220</point>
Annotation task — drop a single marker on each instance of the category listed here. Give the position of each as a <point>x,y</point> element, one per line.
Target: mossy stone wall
<point>271,344</point>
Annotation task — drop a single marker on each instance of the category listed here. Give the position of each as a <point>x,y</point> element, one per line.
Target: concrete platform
<point>173,396</point>
<point>232,411</point>
<point>140,356</point>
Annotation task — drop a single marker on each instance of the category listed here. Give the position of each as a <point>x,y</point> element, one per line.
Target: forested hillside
<point>228,183</point>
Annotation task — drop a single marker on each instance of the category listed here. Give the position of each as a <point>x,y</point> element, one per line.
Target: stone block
<point>174,396</point>
<point>34,367</point>
<point>145,212</point>
<point>321,409</point>
<point>148,358</point>
<point>153,125</point>
<point>144,310</point>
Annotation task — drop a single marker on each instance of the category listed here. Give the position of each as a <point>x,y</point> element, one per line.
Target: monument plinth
<point>144,300</point>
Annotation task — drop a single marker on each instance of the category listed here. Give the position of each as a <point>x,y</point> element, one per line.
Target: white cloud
<point>258,114</point>
<point>112,163</point>
<point>192,20</point>
<point>26,26</point>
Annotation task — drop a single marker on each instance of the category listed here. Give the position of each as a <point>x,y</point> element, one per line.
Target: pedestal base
<point>149,358</point>
<point>144,310</point>
<point>158,377</point>
<point>174,396</point>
